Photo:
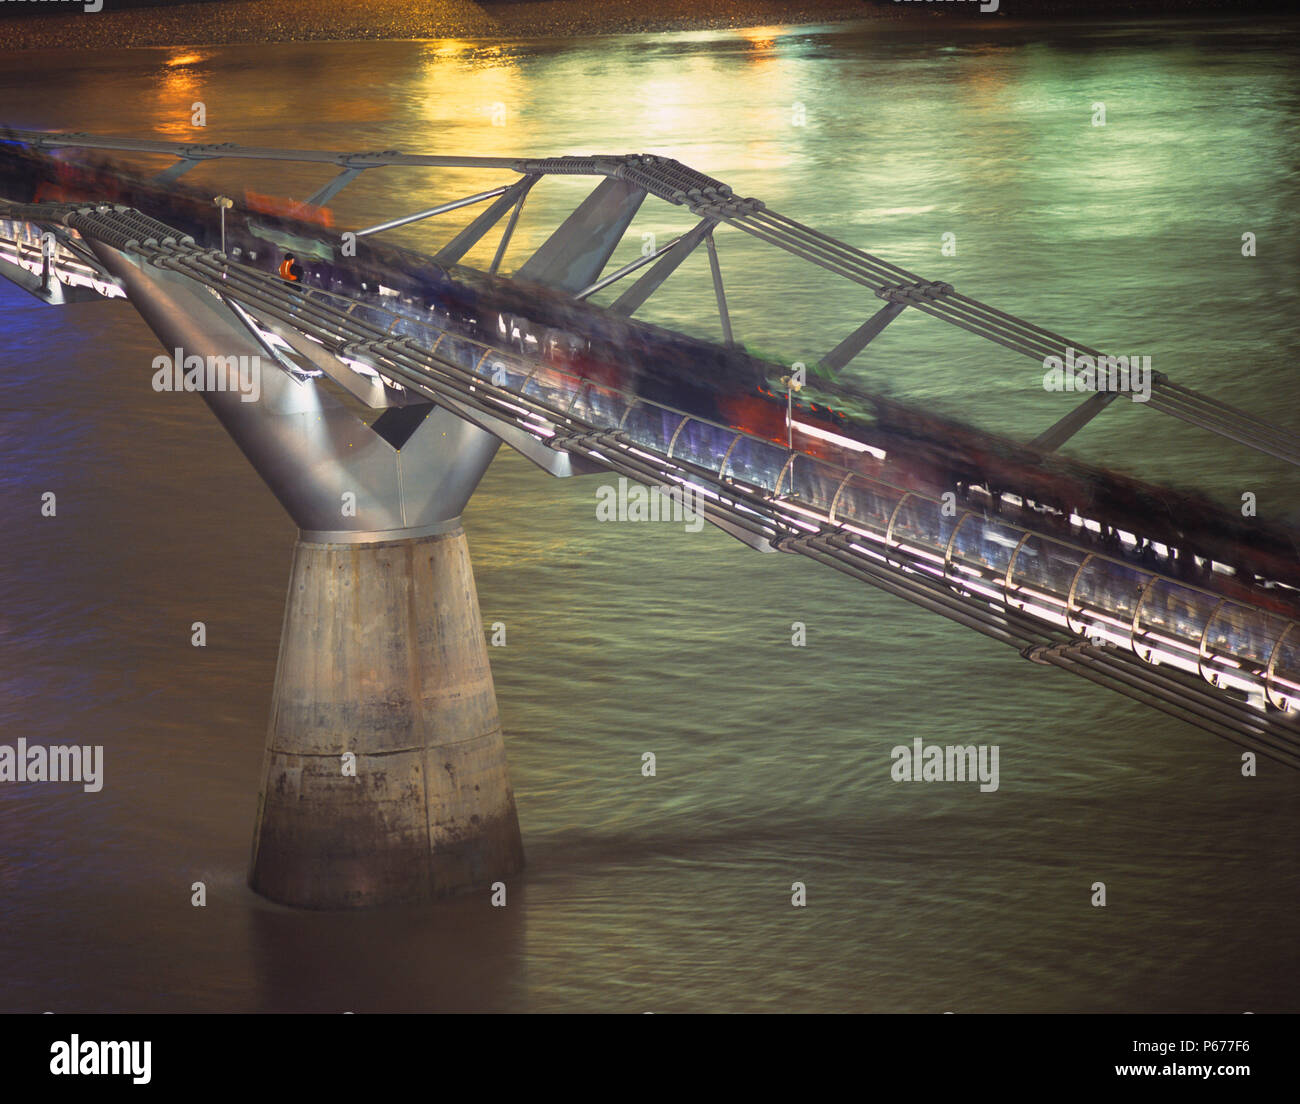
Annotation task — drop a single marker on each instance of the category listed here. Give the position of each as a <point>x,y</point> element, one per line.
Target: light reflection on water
<point>773,761</point>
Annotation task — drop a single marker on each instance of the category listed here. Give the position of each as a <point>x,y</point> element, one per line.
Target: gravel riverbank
<point>234,21</point>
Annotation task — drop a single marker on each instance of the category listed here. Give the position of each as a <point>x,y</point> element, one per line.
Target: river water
<point>674,893</point>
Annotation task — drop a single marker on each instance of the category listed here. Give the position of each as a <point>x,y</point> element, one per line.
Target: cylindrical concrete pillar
<point>386,777</point>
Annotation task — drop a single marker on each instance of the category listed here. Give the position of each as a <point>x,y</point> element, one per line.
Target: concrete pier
<point>383,658</point>
<point>383,655</point>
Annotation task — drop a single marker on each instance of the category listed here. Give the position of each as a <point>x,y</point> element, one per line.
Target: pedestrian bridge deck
<point>1226,666</point>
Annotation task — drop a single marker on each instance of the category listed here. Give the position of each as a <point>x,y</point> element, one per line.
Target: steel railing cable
<point>942,301</point>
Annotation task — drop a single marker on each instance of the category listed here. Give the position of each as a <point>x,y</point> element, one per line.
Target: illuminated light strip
<point>744,507</point>
<point>509,405</point>
<point>806,526</point>
<point>992,594</point>
<point>636,450</point>
<point>358,366</point>
<point>1181,662</point>
<point>960,570</point>
<point>70,277</point>
<point>928,555</point>
<point>1234,673</point>
<point>870,534</point>
<point>1044,614</point>
<point>871,555</point>
<point>62,267</point>
<point>788,504</point>
<point>926,569</point>
<point>1167,640</point>
<point>537,417</point>
<point>835,438</point>
<point>1044,595</point>
<point>1170,642</point>
<point>994,537</point>
<point>793,515</point>
<point>1105,617</point>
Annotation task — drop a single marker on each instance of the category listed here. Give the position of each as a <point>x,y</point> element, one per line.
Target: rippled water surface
<point>673,893</point>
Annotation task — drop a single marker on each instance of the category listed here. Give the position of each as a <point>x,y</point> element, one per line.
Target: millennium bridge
<point>1223,664</point>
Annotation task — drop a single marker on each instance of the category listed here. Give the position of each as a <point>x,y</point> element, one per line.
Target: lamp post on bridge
<point>224,203</point>
<point>792,384</point>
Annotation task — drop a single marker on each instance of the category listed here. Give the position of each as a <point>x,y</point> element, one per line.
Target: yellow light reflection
<point>177,87</point>
<point>472,97</point>
<point>761,38</point>
<point>449,48</point>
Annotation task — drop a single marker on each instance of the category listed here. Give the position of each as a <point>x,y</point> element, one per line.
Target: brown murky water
<point>673,893</point>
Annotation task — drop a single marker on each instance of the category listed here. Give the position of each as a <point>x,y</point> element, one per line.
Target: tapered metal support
<point>860,338</point>
<point>385,773</point>
<point>1054,437</point>
<point>331,188</point>
<point>634,298</point>
<point>429,212</point>
<point>176,170</point>
<point>471,235</point>
<point>724,316</point>
<point>575,255</point>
